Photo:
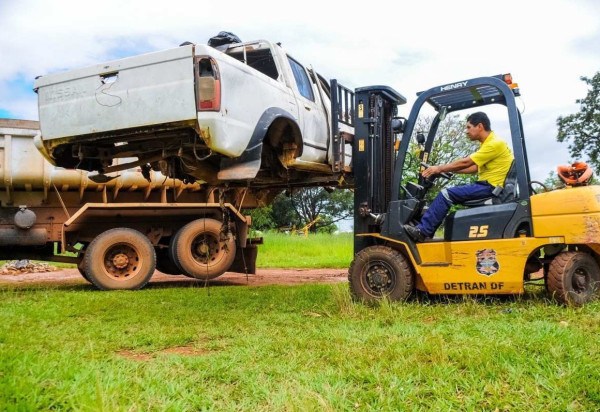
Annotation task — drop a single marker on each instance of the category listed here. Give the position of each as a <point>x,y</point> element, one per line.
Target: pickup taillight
<point>208,84</point>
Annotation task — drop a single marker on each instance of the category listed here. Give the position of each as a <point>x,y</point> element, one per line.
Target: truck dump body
<point>25,176</point>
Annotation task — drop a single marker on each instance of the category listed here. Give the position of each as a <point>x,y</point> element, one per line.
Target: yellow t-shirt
<point>493,159</point>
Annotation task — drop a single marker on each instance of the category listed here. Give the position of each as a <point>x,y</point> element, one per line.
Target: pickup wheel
<point>379,272</point>
<point>201,250</point>
<point>120,258</point>
<point>573,278</point>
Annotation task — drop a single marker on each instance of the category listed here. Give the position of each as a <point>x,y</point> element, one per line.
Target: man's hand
<point>431,171</point>
<point>464,165</point>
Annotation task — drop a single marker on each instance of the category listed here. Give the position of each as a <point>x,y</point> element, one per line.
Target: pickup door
<point>312,114</point>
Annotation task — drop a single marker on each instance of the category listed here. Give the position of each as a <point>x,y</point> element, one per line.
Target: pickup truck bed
<point>112,96</point>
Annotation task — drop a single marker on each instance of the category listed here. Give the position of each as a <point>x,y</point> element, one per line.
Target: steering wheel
<point>535,182</point>
<point>445,175</point>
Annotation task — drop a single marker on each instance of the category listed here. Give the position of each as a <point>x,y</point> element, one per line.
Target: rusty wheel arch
<point>284,135</point>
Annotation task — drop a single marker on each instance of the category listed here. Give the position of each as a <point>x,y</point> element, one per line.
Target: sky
<point>410,46</point>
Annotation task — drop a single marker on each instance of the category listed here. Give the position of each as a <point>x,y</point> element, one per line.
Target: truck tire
<point>81,271</point>
<point>379,272</point>
<point>120,258</point>
<point>201,250</point>
<point>573,278</point>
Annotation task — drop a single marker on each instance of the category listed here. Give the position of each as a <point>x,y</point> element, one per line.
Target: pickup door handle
<point>307,108</point>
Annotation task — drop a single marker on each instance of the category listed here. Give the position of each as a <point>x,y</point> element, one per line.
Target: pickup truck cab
<point>246,113</point>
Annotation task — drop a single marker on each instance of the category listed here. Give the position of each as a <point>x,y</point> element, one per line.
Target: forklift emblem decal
<point>486,262</point>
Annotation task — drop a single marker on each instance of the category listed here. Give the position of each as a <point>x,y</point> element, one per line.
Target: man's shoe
<point>414,233</point>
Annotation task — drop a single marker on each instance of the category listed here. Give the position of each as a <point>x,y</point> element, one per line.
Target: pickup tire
<point>573,278</point>
<point>120,258</point>
<point>380,272</point>
<point>202,251</point>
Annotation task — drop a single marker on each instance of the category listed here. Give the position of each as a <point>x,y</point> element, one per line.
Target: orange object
<point>577,174</point>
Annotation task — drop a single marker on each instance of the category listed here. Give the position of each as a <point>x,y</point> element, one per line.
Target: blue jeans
<point>447,197</point>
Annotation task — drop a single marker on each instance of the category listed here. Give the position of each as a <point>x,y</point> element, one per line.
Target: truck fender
<point>247,165</point>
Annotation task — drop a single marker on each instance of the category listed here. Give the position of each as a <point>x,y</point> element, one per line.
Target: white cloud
<point>409,46</point>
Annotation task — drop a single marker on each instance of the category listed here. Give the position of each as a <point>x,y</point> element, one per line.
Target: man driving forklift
<point>492,162</point>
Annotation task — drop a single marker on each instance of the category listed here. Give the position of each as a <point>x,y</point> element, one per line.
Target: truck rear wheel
<point>201,250</point>
<point>82,271</point>
<point>380,272</point>
<point>120,258</point>
<point>573,278</point>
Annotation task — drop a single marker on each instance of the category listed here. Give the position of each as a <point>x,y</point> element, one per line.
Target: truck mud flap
<point>245,260</point>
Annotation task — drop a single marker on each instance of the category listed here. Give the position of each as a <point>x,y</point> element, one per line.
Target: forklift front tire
<point>380,272</point>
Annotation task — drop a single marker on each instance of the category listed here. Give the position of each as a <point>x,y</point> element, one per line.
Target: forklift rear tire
<point>379,272</point>
<point>573,278</point>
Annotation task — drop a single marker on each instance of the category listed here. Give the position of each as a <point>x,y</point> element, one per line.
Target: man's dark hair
<point>480,117</point>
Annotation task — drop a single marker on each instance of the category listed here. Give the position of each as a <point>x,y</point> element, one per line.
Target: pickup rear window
<point>261,60</point>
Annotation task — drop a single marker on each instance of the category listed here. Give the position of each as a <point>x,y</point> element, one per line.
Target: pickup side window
<point>259,59</point>
<point>301,79</point>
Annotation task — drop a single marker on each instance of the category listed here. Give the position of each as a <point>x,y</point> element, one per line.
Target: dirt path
<point>262,277</point>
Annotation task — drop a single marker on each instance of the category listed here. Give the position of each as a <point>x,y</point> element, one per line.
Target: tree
<point>262,218</point>
<point>314,205</point>
<point>322,206</point>
<point>582,130</point>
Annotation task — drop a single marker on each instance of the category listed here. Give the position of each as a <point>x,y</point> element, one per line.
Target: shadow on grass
<point>194,283</point>
<point>531,295</point>
<point>76,285</point>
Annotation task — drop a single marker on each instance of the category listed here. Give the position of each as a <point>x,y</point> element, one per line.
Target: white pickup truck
<point>246,114</point>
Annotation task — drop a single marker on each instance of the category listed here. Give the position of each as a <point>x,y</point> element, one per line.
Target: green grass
<point>303,348</point>
<point>314,251</point>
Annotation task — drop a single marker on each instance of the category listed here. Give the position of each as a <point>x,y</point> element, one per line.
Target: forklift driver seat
<point>500,194</point>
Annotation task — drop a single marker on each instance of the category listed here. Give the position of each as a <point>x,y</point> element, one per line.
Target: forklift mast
<point>373,156</point>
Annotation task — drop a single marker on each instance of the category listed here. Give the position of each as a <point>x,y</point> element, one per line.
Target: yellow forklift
<point>493,246</point>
